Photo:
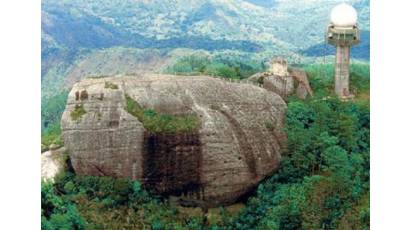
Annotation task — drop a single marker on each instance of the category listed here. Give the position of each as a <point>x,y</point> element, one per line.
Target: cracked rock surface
<point>237,144</point>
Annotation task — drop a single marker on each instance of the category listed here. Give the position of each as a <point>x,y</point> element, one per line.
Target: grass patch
<point>97,76</point>
<point>109,85</point>
<point>78,112</point>
<point>162,123</point>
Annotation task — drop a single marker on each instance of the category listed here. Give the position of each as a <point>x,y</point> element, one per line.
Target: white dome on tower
<point>343,15</point>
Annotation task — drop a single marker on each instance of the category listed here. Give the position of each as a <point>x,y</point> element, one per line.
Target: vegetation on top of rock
<point>162,123</point>
<point>110,85</point>
<point>78,112</point>
<point>269,126</point>
<point>97,76</point>
<point>260,80</point>
<point>215,66</point>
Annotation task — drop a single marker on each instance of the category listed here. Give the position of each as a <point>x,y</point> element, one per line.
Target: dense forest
<point>322,183</point>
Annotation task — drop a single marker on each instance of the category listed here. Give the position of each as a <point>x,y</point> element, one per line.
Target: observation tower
<point>343,33</point>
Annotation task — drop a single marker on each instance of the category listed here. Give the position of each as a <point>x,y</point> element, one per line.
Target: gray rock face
<point>237,144</point>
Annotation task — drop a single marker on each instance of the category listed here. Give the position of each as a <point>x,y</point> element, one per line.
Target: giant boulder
<point>237,143</point>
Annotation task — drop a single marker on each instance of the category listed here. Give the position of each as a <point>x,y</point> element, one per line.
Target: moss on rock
<point>109,85</point>
<point>78,112</point>
<point>162,123</point>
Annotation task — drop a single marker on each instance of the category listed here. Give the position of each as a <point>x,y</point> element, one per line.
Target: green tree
<point>57,212</point>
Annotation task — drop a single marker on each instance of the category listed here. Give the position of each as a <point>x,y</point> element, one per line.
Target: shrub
<point>78,112</point>
<point>57,212</point>
<point>69,187</point>
<point>260,80</point>
<point>109,85</point>
<point>269,126</point>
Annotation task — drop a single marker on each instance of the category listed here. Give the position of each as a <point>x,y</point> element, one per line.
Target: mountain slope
<point>74,31</point>
<point>289,24</point>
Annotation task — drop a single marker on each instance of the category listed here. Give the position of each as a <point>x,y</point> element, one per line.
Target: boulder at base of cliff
<point>52,163</point>
<point>201,138</point>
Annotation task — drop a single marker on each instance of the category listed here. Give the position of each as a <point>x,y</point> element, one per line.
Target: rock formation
<point>235,143</point>
<point>284,80</point>
<point>52,162</point>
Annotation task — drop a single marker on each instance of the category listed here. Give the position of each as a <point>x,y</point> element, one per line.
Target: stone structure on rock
<point>237,143</point>
<point>279,67</point>
<point>284,80</point>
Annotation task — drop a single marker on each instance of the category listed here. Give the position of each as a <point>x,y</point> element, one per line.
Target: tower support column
<point>342,71</point>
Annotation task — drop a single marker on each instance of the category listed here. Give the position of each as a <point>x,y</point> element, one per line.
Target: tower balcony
<point>342,36</point>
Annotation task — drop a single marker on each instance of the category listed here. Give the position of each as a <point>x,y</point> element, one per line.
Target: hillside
<point>73,32</point>
<point>322,181</point>
<point>271,22</point>
<point>216,138</point>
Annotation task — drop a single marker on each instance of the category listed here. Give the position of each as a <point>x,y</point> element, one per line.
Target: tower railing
<point>343,35</point>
